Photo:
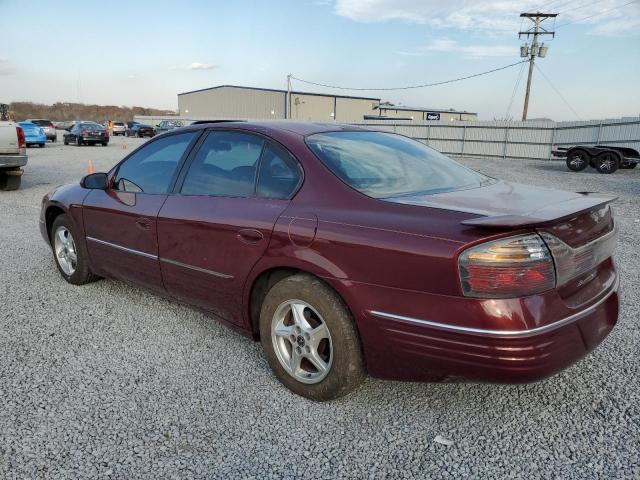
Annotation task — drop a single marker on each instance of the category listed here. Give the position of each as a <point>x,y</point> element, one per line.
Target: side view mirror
<point>95,181</point>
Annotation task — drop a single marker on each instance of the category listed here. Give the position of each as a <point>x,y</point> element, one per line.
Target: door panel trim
<point>197,269</point>
<point>124,249</point>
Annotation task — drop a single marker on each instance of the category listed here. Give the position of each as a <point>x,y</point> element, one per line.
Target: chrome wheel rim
<point>65,250</point>
<point>302,341</point>
<point>576,161</point>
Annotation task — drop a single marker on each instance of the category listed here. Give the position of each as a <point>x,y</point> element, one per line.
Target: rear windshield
<point>118,124</point>
<point>384,165</point>
<point>91,125</point>
<point>42,123</point>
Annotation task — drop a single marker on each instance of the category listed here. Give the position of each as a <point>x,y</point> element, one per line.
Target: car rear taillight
<point>506,268</point>
<point>573,262</point>
<point>22,141</point>
<point>84,131</point>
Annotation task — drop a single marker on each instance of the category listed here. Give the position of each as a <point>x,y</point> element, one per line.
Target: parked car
<point>48,128</point>
<point>141,130</point>
<point>13,153</point>
<point>66,125</point>
<point>118,128</point>
<point>348,251</point>
<point>166,125</point>
<point>87,133</point>
<point>604,158</point>
<point>34,135</point>
<point>131,124</point>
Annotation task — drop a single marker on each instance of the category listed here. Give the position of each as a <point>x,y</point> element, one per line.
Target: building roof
<point>402,108</point>
<point>293,92</point>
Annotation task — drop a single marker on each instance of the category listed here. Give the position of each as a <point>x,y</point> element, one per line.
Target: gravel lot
<point>107,380</point>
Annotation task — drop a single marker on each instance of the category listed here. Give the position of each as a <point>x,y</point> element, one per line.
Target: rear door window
<point>226,164</point>
<point>279,174</point>
<point>151,169</point>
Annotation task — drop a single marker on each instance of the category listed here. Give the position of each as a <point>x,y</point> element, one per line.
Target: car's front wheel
<point>71,259</point>
<point>310,340</point>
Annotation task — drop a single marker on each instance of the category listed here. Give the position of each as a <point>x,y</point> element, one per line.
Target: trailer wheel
<point>607,162</point>
<point>578,160</point>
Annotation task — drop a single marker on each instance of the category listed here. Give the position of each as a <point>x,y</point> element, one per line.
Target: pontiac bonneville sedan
<point>348,252</point>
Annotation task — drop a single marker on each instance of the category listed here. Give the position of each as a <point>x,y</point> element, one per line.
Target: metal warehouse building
<point>396,112</point>
<point>244,103</point>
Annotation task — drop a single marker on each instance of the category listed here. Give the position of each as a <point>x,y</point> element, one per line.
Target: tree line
<point>64,111</point>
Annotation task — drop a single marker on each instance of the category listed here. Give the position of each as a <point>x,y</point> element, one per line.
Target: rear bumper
<point>410,347</point>
<point>13,160</point>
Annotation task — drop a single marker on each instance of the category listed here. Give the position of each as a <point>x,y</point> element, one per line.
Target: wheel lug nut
<point>306,336</point>
<point>307,349</point>
<point>298,349</point>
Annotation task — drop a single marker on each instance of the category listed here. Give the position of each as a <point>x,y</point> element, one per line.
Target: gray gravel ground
<point>107,380</point>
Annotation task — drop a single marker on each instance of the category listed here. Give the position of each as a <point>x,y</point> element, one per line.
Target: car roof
<point>301,128</point>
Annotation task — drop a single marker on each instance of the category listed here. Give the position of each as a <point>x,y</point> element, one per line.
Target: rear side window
<point>279,173</point>
<point>226,165</point>
<point>151,168</point>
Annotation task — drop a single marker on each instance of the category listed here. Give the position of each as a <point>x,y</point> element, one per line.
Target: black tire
<point>79,142</point>
<point>139,135</point>
<point>82,274</point>
<point>9,181</point>
<point>41,145</point>
<point>607,162</point>
<point>346,368</point>
<point>104,144</point>
<point>578,160</point>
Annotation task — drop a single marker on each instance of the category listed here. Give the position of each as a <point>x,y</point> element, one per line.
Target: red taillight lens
<point>22,141</point>
<point>84,131</point>
<point>507,268</point>
<point>573,262</point>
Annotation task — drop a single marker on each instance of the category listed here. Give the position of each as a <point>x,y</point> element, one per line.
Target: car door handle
<point>249,235</point>
<point>143,223</point>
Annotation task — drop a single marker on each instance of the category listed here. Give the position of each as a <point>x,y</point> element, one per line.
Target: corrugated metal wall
<point>514,139</point>
<point>500,139</point>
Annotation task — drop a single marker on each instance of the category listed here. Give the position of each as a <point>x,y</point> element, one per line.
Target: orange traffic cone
<point>90,168</point>
<point>124,146</point>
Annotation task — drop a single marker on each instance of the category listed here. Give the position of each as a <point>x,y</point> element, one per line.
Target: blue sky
<point>145,52</point>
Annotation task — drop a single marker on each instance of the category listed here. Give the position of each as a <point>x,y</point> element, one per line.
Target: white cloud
<point>196,66</point>
<point>446,45</point>
<point>496,16</point>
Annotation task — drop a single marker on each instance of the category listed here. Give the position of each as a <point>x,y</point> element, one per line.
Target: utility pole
<point>536,50</point>
<point>287,106</point>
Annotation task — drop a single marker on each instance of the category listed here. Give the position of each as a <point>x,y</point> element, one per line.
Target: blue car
<point>34,135</point>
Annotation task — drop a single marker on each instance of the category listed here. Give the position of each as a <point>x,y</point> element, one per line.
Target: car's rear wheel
<point>71,259</point>
<point>607,162</point>
<point>310,340</point>
<point>78,141</point>
<point>104,144</point>
<point>41,145</point>
<point>577,160</point>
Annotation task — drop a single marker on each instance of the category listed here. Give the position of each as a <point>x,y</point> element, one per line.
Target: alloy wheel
<point>65,249</point>
<point>302,341</point>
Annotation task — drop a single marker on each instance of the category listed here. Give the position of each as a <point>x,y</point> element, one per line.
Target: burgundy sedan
<point>347,251</point>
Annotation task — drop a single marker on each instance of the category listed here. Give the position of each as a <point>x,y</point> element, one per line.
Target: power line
<point>579,7</point>
<point>558,92</point>
<point>515,89</point>
<point>410,86</point>
<point>597,14</point>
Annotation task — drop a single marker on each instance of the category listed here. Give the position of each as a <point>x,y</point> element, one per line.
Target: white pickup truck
<point>13,154</point>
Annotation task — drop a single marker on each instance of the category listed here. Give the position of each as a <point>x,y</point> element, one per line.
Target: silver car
<point>118,128</point>
<point>47,126</point>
